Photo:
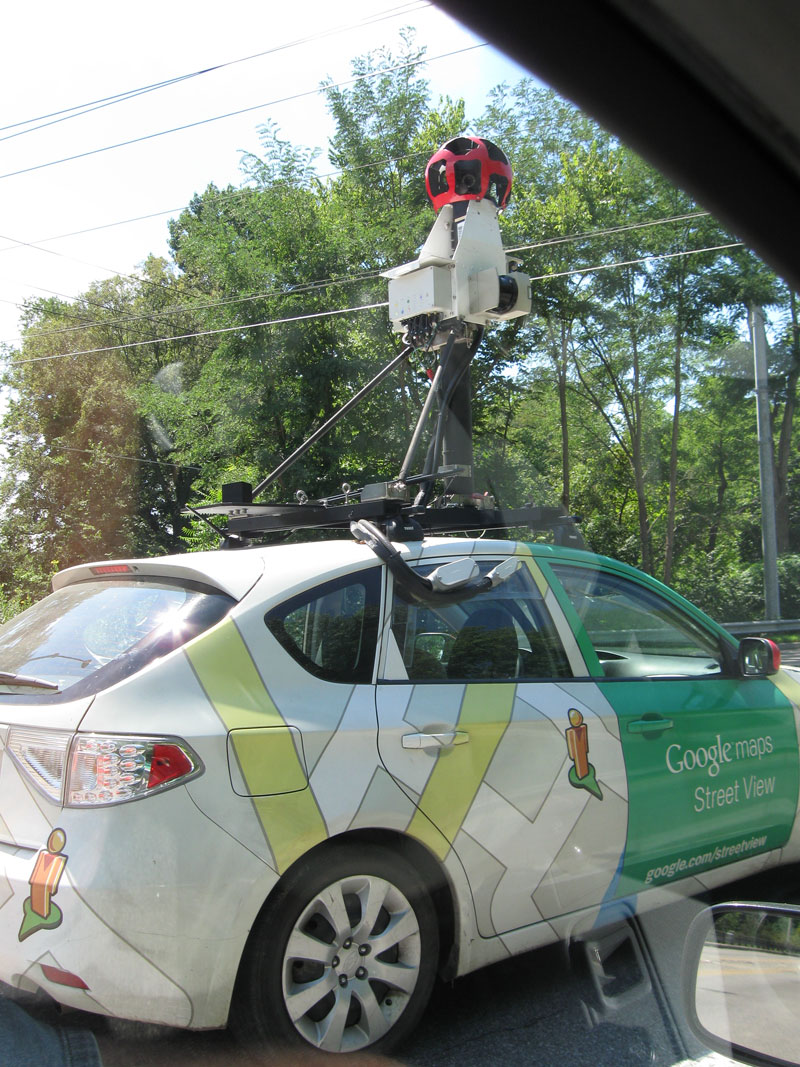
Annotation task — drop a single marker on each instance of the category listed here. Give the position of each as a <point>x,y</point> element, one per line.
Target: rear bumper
<point>73,955</point>
<point>134,922</point>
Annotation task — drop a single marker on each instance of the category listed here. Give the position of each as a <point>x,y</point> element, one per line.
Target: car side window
<point>332,629</point>
<point>505,634</point>
<point>635,632</point>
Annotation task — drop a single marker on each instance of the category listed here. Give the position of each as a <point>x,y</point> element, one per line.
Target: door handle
<point>445,740</point>
<point>655,724</point>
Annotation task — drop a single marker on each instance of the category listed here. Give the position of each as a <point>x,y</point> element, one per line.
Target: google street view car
<point>287,785</point>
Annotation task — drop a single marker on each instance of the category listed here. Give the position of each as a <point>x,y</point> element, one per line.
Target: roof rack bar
<point>331,422</point>
<point>403,518</point>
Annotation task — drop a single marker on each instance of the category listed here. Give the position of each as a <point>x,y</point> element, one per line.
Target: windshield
<point>219,226</point>
<point>87,636</point>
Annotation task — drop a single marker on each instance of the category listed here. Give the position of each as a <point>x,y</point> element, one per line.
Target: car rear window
<point>88,636</point>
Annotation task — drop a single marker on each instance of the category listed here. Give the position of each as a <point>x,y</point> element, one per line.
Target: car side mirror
<point>758,657</point>
<point>741,981</point>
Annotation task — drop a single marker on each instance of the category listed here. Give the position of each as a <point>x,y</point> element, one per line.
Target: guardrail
<point>764,626</point>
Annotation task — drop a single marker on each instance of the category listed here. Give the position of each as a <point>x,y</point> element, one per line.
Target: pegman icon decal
<point>39,910</point>
<point>581,773</point>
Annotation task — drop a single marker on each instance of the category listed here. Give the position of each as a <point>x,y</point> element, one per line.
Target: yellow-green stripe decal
<point>533,567</point>
<point>485,714</point>
<point>787,685</point>
<point>292,822</point>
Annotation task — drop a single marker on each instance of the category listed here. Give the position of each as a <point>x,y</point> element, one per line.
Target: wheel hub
<point>349,961</point>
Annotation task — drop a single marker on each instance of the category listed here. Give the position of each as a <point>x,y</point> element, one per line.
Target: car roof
<point>235,571</point>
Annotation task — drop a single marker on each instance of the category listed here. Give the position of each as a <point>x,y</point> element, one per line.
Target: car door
<point>711,757</point>
<point>508,762</point>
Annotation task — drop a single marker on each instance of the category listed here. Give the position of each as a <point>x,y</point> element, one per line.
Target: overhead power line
<point>201,333</point>
<point>15,243</point>
<point>242,111</point>
<point>636,262</point>
<point>74,259</point>
<point>133,459</point>
<point>351,310</point>
<point>37,245</point>
<point>548,242</point>
<point>235,194</point>
<point>185,309</point>
<point>64,114</point>
<point>323,283</point>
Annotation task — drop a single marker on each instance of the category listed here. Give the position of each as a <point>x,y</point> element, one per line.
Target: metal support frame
<point>441,301</point>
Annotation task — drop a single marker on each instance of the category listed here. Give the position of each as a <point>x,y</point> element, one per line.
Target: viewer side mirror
<point>741,981</point>
<point>758,657</point>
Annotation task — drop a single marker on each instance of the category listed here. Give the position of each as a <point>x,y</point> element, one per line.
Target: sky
<point>56,56</point>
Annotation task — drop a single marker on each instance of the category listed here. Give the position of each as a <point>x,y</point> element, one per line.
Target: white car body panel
<point>158,894</point>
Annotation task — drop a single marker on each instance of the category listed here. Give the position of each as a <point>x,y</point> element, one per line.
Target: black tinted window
<point>505,633</point>
<point>332,630</point>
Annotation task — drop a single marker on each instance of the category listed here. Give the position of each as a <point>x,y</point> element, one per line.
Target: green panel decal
<point>485,714</point>
<point>292,821</point>
<point>712,771</point>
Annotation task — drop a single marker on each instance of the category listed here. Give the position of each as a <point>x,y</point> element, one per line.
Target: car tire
<point>343,956</point>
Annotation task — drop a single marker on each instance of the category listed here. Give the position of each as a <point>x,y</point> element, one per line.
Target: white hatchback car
<point>287,786</point>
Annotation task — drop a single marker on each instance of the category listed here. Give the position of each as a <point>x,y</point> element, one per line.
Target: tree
<point>622,395</point>
<point>68,489</point>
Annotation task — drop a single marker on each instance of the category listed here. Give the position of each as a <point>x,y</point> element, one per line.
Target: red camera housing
<point>468,168</point>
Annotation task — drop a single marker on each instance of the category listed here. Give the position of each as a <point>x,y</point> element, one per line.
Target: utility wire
<point>133,459</point>
<point>83,262</point>
<point>76,110</point>
<point>275,322</point>
<point>364,307</point>
<point>37,245</point>
<point>611,230</point>
<point>201,333</point>
<point>185,309</point>
<point>243,111</point>
<point>346,280</point>
<point>635,262</point>
<point>236,194</point>
<point>98,304</point>
<point>15,243</point>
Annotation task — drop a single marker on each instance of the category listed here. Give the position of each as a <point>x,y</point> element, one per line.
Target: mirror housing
<point>453,575</point>
<point>758,657</point>
<point>503,571</point>
<point>741,981</point>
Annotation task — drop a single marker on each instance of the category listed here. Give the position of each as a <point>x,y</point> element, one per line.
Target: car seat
<point>485,646</point>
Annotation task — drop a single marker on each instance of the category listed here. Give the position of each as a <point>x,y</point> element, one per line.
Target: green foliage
<point>626,395</point>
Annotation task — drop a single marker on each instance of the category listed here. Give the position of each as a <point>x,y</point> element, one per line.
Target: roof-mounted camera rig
<point>461,282</point>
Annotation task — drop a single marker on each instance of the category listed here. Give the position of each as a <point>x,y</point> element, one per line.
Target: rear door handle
<point>445,740</point>
<point>654,724</point>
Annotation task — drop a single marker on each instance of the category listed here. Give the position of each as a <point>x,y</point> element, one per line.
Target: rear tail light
<point>41,754</point>
<point>90,770</point>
